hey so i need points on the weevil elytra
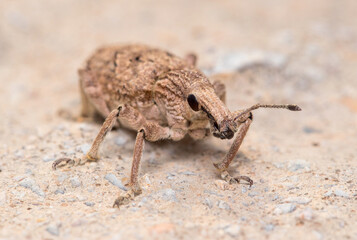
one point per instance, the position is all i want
(161, 96)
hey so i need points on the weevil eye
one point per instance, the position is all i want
(192, 101)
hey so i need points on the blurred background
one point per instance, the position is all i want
(276, 51)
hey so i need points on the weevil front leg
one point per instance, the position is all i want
(223, 166)
(92, 154)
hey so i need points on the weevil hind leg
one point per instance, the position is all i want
(223, 166)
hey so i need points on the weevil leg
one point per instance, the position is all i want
(191, 59)
(92, 154)
(135, 188)
(151, 132)
(223, 166)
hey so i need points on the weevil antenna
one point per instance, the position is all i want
(290, 107)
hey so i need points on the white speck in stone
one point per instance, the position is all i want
(298, 200)
(31, 184)
(84, 148)
(169, 195)
(284, 208)
(75, 182)
(298, 164)
(115, 181)
(223, 205)
(232, 230)
(341, 193)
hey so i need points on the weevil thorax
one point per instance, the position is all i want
(200, 98)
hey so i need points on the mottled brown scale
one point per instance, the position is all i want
(161, 96)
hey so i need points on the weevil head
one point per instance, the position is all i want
(201, 97)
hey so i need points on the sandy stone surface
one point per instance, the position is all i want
(303, 164)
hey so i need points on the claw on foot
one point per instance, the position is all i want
(124, 199)
(62, 162)
(71, 162)
(233, 180)
(245, 178)
(121, 200)
(128, 196)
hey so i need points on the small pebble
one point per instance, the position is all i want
(223, 205)
(61, 177)
(53, 229)
(298, 200)
(31, 184)
(232, 230)
(309, 130)
(279, 165)
(212, 193)
(115, 181)
(89, 204)
(276, 197)
(81, 198)
(328, 193)
(284, 208)
(208, 202)
(244, 189)
(84, 148)
(120, 140)
(142, 202)
(48, 158)
(188, 173)
(341, 193)
(169, 195)
(75, 182)
(19, 154)
(252, 194)
(60, 191)
(298, 164)
(147, 179)
(269, 227)
(170, 176)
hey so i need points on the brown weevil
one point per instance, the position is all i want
(161, 96)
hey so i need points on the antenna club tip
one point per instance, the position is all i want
(294, 108)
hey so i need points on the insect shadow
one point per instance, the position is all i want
(200, 154)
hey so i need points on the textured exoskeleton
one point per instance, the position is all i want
(161, 96)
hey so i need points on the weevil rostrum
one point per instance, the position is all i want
(161, 96)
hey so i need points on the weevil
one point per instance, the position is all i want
(161, 96)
